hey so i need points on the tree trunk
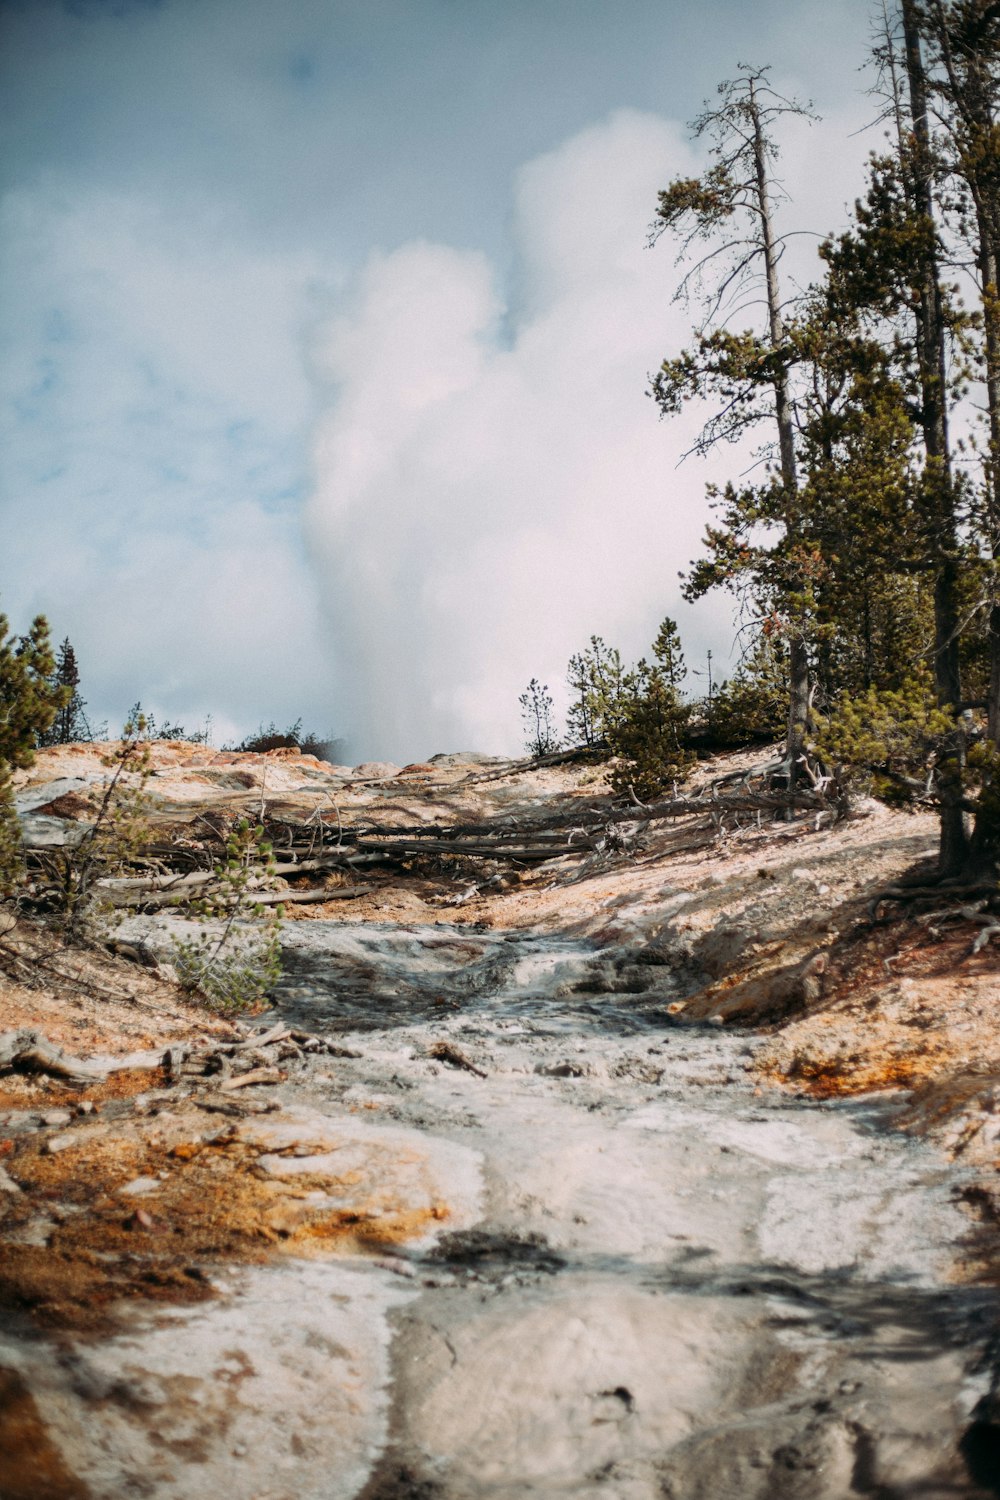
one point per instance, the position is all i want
(938, 486)
(972, 91)
(798, 655)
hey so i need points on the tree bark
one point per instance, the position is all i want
(971, 93)
(798, 654)
(940, 517)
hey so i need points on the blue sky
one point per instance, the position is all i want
(326, 329)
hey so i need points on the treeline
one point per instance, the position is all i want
(641, 716)
(58, 711)
(865, 555)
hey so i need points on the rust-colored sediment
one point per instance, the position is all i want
(213, 1206)
(30, 1466)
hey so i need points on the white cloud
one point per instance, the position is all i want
(155, 414)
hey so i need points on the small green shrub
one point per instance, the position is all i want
(234, 969)
(111, 846)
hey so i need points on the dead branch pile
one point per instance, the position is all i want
(179, 872)
(252, 1057)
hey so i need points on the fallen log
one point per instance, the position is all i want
(408, 848)
(31, 1052)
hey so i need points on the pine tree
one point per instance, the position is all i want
(748, 373)
(70, 723)
(668, 652)
(536, 716)
(597, 682)
(752, 704)
(29, 703)
(963, 42)
(647, 731)
(887, 271)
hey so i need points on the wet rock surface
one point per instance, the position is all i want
(505, 1199)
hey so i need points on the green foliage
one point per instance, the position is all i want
(647, 737)
(540, 737)
(11, 850)
(597, 686)
(29, 703)
(752, 704)
(70, 723)
(167, 731)
(113, 844)
(29, 700)
(270, 737)
(646, 730)
(897, 742)
(234, 969)
(668, 653)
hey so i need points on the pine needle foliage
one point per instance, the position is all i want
(894, 742)
(597, 682)
(646, 732)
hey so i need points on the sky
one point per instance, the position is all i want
(326, 332)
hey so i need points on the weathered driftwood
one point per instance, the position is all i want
(255, 1076)
(30, 1052)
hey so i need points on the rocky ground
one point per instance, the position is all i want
(661, 1167)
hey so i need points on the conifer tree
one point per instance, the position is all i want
(887, 271)
(668, 653)
(29, 702)
(963, 42)
(752, 704)
(540, 737)
(647, 731)
(747, 373)
(70, 723)
(597, 684)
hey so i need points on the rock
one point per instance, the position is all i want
(375, 770)
(34, 798)
(56, 1117)
(139, 1186)
(78, 1137)
(57, 1143)
(7, 1183)
(41, 832)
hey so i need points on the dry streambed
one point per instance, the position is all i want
(500, 1202)
(498, 1234)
